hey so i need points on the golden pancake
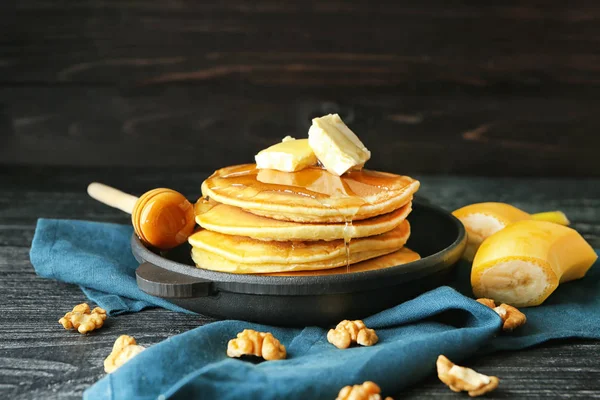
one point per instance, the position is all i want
(310, 195)
(240, 254)
(245, 250)
(207, 260)
(232, 220)
(399, 257)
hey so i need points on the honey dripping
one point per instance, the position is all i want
(347, 238)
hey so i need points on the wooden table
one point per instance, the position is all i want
(40, 360)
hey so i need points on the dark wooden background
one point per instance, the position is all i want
(467, 87)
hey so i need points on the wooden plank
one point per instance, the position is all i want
(433, 88)
(204, 129)
(329, 43)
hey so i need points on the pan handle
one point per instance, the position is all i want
(164, 283)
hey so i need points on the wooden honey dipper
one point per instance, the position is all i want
(162, 218)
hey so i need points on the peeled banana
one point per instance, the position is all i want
(484, 219)
(524, 263)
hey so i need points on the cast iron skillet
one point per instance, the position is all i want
(436, 235)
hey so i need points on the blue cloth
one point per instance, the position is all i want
(194, 364)
(97, 257)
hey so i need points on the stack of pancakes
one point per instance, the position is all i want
(267, 221)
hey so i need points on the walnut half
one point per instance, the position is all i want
(349, 332)
(511, 317)
(464, 379)
(124, 349)
(260, 344)
(82, 319)
(487, 302)
(367, 391)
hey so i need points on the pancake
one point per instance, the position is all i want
(240, 254)
(310, 195)
(215, 262)
(399, 257)
(232, 220)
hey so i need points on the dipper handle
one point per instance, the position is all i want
(112, 197)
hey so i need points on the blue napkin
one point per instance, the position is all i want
(194, 364)
(97, 257)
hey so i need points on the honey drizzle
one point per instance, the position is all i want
(347, 239)
(312, 182)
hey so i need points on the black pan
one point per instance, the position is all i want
(436, 235)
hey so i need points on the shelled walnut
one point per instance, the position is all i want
(124, 349)
(260, 344)
(82, 319)
(367, 391)
(348, 332)
(461, 379)
(511, 317)
(487, 302)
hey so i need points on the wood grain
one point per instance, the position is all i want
(462, 87)
(192, 127)
(39, 360)
(298, 43)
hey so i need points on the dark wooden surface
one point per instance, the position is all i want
(40, 360)
(437, 87)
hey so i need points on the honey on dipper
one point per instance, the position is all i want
(162, 218)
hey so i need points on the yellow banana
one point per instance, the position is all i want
(558, 217)
(524, 263)
(484, 219)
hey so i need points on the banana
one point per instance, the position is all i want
(484, 219)
(524, 263)
(558, 217)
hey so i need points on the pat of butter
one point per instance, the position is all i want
(335, 145)
(288, 156)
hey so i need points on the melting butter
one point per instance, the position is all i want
(288, 156)
(335, 145)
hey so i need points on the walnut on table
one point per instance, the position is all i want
(260, 344)
(367, 391)
(511, 317)
(461, 379)
(124, 349)
(348, 332)
(82, 319)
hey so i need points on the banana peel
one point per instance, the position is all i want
(482, 220)
(523, 263)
